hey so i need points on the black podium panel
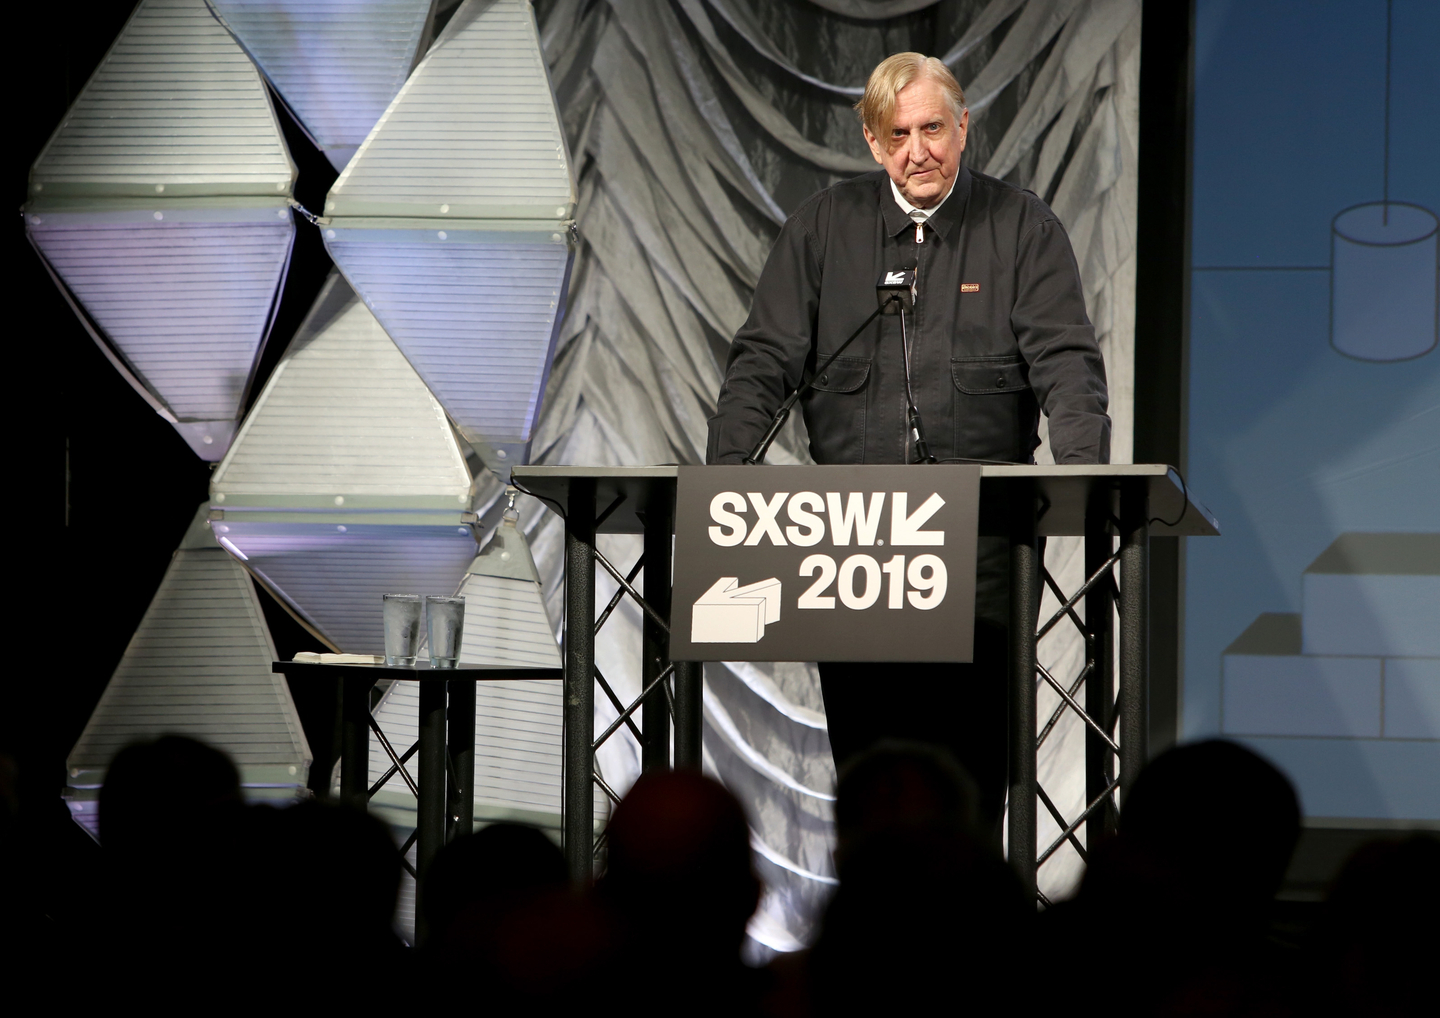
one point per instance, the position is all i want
(833, 563)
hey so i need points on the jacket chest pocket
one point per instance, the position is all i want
(995, 409)
(835, 411)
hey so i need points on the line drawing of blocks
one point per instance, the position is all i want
(1412, 698)
(1269, 688)
(1374, 595)
(730, 613)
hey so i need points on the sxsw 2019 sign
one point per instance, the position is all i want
(838, 563)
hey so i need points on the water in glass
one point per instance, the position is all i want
(402, 628)
(445, 620)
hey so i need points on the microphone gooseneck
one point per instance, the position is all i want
(896, 292)
(912, 412)
(757, 455)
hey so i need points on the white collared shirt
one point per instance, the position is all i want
(919, 216)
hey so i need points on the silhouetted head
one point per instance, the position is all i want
(161, 794)
(1220, 822)
(491, 870)
(918, 915)
(1371, 945)
(337, 875)
(679, 865)
(921, 907)
(898, 786)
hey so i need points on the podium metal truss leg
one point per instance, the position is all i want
(1106, 751)
(578, 805)
(1134, 605)
(1024, 607)
(658, 704)
(655, 639)
(1100, 683)
(689, 710)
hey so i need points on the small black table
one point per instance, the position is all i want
(445, 744)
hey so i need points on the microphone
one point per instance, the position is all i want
(901, 283)
(894, 290)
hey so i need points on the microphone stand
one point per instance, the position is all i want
(757, 455)
(912, 412)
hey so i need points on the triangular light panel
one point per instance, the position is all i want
(337, 64)
(160, 206)
(518, 758)
(346, 481)
(198, 665)
(453, 223)
(505, 618)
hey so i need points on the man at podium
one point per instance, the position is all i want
(998, 331)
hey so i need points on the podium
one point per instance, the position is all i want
(1115, 508)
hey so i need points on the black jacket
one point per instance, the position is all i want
(998, 331)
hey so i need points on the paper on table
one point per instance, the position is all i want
(306, 657)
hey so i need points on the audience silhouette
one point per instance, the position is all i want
(680, 885)
(498, 906)
(329, 877)
(1376, 939)
(174, 909)
(926, 914)
(1171, 919)
(1181, 899)
(477, 876)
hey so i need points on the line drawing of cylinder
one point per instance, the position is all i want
(1384, 291)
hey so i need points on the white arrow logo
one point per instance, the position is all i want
(894, 277)
(905, 529)
(730, 613)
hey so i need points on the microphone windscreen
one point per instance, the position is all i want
(896, 283)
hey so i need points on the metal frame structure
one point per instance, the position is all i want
(616, 500)
(1023, 503)
(443, 783)
(1119, 509)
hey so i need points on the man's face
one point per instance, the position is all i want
(921, 151)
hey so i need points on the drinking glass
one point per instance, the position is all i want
(445, 619)
(402, 628)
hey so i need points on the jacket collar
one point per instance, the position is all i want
(945, 220)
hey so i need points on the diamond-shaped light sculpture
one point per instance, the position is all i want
(198, 665)
(336, 64)
(453, 223)
(160, 206)
(346, 480)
